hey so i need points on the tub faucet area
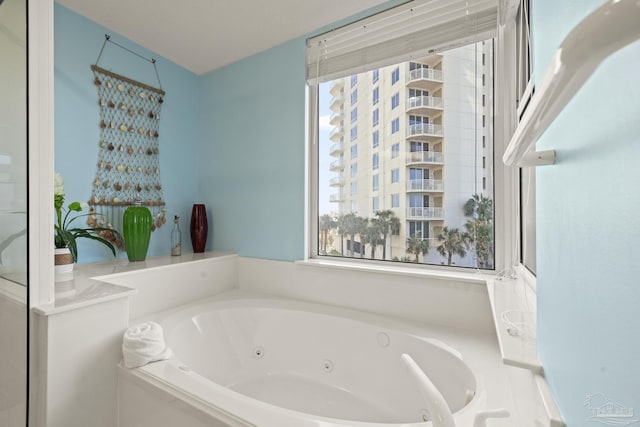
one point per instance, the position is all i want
(441, 415)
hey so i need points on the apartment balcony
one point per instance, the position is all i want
(425, 185)
(336, 198)
(336, 166)
(336, 134)
(430, 213)
(337, 103)
(338, 181)
(425, 79)
(336, 87)
(425, 157)
(336, 149)
(425, 132)
(425, 105)
(336, 117)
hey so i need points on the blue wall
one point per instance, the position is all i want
(77, 43)
(588, 227)
(251, 154)
(252, 150)
(233, 139)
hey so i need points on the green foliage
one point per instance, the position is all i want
(479, 210)
(389, 223)
(452, 242)
(417, 246)
(66, 236)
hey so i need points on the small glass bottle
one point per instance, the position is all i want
(176, 237)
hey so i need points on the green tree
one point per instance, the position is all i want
(452, 242)
(389, 224)
(326, 224)
(417, 246)
(351, 228)
(341, 226)
(479, 207)
(362, 225)
(479, 210)
(372, 237)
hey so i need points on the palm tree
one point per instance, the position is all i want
(453, 242)
(417, 246)
(362, 225)
(341, 225)
(327, 223)
(373, 237)
(389, 223)
(479, 209)
(481, 237)
(351, 228)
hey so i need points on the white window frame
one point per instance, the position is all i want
(506, 219)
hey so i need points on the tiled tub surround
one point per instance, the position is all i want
(454, 309)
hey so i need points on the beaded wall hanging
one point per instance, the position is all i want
(128, 168)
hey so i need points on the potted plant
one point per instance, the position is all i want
(66, 253)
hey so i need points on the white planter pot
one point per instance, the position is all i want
(63, 261)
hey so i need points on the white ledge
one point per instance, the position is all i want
(423, 271)
(89, 283)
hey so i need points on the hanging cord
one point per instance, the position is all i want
(107, 38)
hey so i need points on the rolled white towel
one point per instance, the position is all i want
(144, 343)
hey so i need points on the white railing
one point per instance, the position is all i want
(337, 100)
(425, 129)
(337, 181)
(425, 213)
(425, 73)
(336, 198)
(425, 157)
(336, 86)
(425, 185)
(336, 132)
(336, 117)
(336, 165)
(424, 101)
(336, 148)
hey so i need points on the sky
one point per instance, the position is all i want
(324, 175)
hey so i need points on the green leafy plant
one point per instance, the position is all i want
(65, 235)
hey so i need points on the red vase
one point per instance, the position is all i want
(199, 228)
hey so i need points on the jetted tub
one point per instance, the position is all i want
(278, 363)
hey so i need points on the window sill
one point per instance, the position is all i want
(513, 307)
(432, 272)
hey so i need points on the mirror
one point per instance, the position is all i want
(13, 142)
(13, 213)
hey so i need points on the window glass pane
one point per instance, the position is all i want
(426, 196)
(395, 100)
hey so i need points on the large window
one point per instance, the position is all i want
(430, 196)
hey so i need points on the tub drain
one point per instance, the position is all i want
(327, 366)
(258, 352)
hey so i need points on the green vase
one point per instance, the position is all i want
(136, 229)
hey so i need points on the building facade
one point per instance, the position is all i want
(415, 138)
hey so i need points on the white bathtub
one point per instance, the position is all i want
(280, 363)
